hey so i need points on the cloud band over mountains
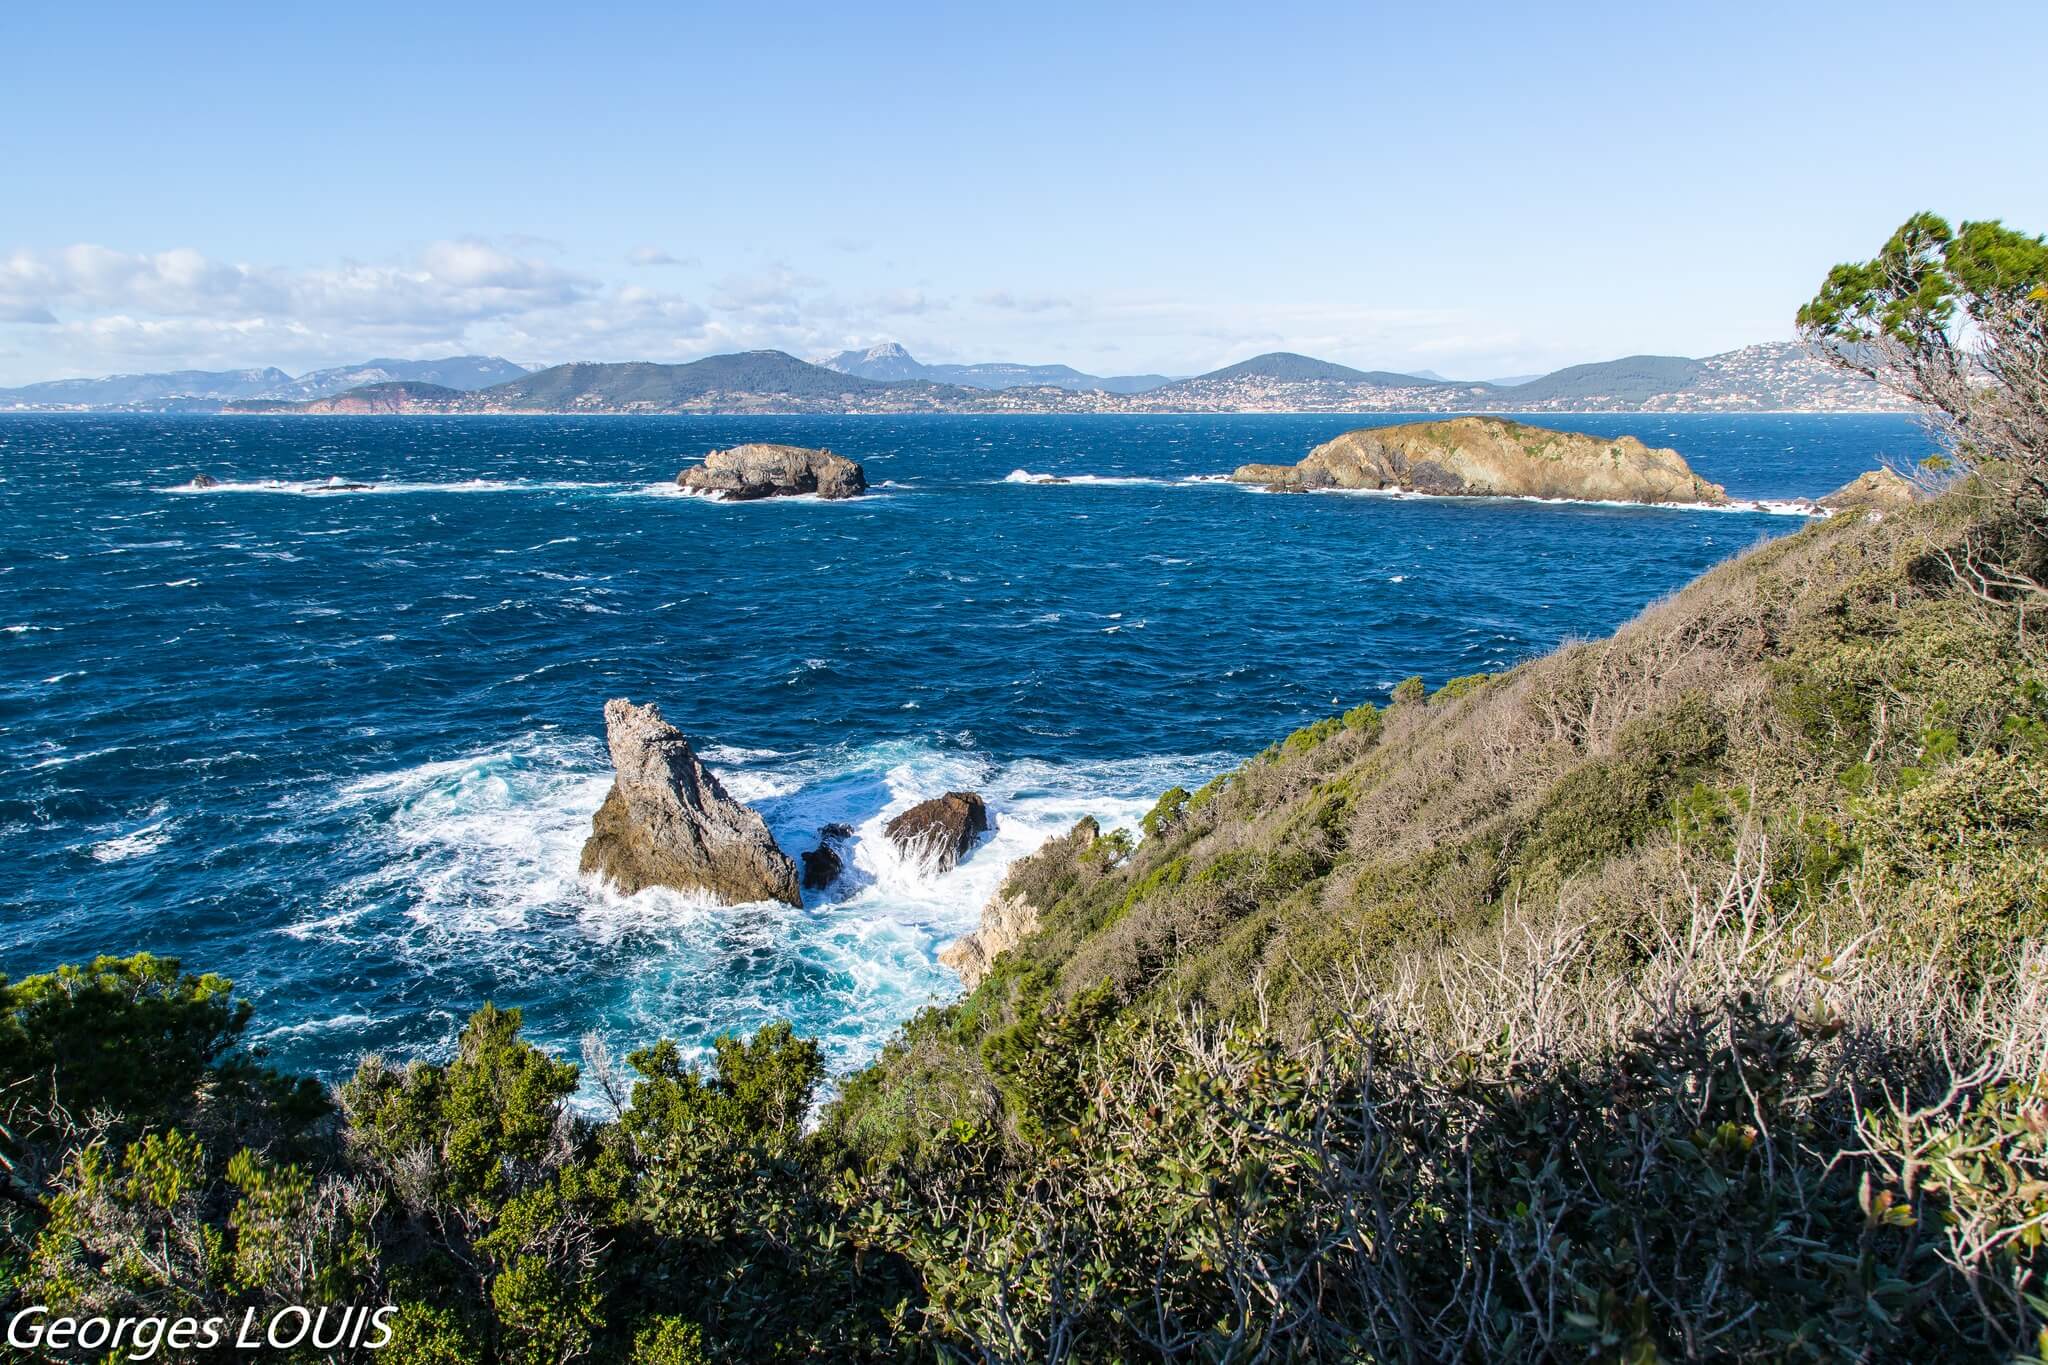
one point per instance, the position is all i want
(91, 309)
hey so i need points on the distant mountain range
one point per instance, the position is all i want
(1780, 377)
(205, 390)
(889, 363)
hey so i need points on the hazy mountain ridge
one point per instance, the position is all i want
(891, 363)
(750, 381)
(1769, 377)
(201, 390)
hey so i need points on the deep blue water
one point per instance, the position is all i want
(344, 747)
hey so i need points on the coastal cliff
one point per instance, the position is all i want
(1491, 457)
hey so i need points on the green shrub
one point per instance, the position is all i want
(1165, 813)
(1463, 686)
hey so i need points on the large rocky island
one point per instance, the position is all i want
(1491, 457)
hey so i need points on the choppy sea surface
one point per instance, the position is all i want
(344, 746)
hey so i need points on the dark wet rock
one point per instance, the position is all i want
(822, 866)
(760, 470)
(668, 822)
(937, 832)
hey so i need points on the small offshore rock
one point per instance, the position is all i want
(937, 832)
(761, 470)
(668, 822)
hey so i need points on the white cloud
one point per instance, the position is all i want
(90, 309)
(652, 256)
(95, 309)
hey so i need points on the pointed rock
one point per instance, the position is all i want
(668, 822)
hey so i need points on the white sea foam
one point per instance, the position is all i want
(476, 858)
(1777, 507)
(336, 486)
(1097, 480)
(135, 843)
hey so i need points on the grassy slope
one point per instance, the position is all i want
(1826, 693)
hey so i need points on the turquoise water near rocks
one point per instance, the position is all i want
(344, 746)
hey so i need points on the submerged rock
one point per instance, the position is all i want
(1491, 457)
(823, 864)
(937, 832)
(1877, 490)
(760, 470)
(668, 822)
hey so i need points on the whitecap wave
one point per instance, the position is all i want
(1094, 480)
(136, 843)
(337, 486)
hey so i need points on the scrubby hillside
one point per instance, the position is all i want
(1530, 1016)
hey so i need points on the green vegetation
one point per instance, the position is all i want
(1681, 995)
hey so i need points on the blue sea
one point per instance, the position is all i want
(344, 747)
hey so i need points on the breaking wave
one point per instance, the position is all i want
(475, 860)
(337, 486)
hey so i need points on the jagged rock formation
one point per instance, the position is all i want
(1878, 490)
(759, 470)
(823, 864)
(937, 832)
(1489, 456)
(1005, 920)
(668, 822)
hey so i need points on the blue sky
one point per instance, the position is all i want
(1478, 190)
